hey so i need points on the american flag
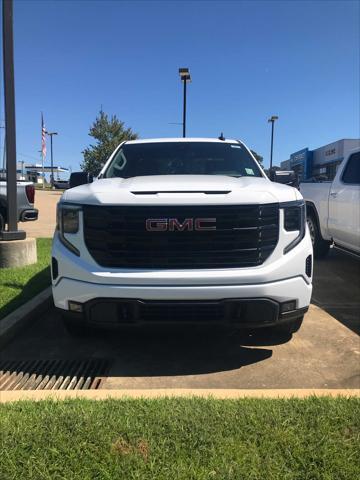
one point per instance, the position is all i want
(43, 138)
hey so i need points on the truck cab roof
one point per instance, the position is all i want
(181, 139)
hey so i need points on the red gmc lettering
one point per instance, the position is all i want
(187, 224)
(156, 224)
(173, 224)
(203, 224)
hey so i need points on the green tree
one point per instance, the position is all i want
(258, 157)
(108, 133)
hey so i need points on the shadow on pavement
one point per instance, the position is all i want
(337, 288)
(184, 351)
(143, 352)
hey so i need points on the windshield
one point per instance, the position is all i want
(182, 158)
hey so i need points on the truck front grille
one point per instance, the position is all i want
(245, 236)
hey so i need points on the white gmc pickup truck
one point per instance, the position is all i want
(333, 208)
(182, 230)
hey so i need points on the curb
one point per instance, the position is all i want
(221, 394)
(23, 315)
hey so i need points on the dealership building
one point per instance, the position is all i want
(321, 162)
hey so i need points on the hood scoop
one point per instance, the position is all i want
(210, 192)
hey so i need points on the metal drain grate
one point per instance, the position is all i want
(55, 374)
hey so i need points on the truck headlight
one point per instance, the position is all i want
(68, 222)
(294, 221)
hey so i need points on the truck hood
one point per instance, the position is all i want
(181, 189)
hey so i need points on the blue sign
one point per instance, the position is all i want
(301, 162)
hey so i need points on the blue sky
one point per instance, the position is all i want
(248, 60)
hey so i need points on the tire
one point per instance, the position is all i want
(291, 327)
(321, 247)
(2, 217)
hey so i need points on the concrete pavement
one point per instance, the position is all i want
(218, 393)
(323, 354)
(337, 287)
(45, 202)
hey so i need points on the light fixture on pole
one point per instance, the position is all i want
(272, 121)
(185, 77)
(51, 134)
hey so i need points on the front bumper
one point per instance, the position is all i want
(246, 305)
(249, 312)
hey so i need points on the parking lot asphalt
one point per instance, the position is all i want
(325, 353)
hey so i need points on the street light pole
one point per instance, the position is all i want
(10, 137)
(51, 134)
(272, 121)
(185, 77)
(4, 150)
(184, 111)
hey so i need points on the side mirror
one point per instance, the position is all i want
(80, 178)
(285, 177)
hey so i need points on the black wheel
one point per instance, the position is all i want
(2, 218)
(321, 246)
(291, 327)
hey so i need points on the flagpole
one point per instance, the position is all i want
(43, 173)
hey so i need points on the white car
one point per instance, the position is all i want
(182, 230)
(333, 208)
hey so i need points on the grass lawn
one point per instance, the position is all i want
(173, 439)
(17, 285)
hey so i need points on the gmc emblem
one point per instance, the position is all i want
(172, 224)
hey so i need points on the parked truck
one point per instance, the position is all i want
(181, 230)
(25, 203)
(333, 208)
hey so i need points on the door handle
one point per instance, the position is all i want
(333, 194)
